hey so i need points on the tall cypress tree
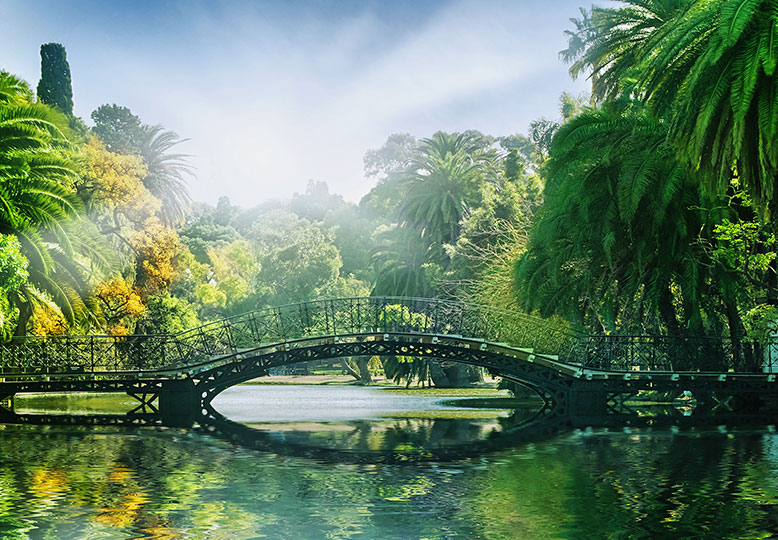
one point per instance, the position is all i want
(54, 87)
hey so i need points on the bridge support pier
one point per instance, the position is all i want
(587, 401)
(178, 403)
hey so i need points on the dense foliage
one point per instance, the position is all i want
(55, 87)
(659, 212)
(648, 207)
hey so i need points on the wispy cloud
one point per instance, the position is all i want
(271, 98)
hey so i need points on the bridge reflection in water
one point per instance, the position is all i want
(408, 443)
(582, 380)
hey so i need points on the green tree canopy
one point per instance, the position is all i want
(615, 243)
(55, 87)
(298, 260)
(118, 128)
(37, 174)
(708, 67)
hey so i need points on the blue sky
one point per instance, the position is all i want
(272, 94)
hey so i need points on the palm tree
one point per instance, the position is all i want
(612, 43)
(708, 67)
(398, 262)
(38, 205)
(617, 234)
(166, 178)
(35, 170)
(13, 90)
(716, 78)
(442, 185)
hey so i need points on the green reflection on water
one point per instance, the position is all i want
(64, 483)
(74, 403)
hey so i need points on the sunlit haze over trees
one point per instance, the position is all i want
(635, 195)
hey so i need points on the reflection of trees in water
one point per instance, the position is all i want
(697, 485)
(72, 482)
(389, 435)
(640, 486)
(69, 482)
(168, 484)
(385, 441)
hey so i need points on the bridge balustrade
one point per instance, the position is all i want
(356, 317)
(676, 353)
(331, 317)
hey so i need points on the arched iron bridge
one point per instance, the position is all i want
(175, 377)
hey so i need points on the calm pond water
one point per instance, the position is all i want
(60, 482)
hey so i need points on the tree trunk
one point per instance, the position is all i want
(475, 374)
(362, 372)
(25, 313)
(350, 370)
(667, 312)
(439, 376)
(742, 356)
(365, 377)
(458, 374)
(449, 375)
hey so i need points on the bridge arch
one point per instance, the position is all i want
(549, 379)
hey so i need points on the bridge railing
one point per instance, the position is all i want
(330, 317)
(87, 353)
(349, 316)
(677, 353)
(354, 316)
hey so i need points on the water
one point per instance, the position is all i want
(319, 403)
(105, 483)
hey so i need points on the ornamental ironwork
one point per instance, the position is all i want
(349, 317)
(340, 317)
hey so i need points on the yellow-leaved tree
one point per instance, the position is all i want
(124, 209)
(121, 306)
(47, 319)
(156, 246)
(112, 186)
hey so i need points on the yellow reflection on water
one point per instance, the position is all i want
(45, 482)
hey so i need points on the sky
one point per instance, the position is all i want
(271, 94)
